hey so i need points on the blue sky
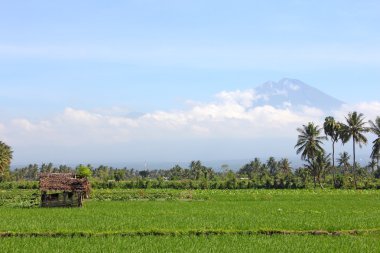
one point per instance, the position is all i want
(126, 57)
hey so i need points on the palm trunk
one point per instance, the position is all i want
(333, 157)
(319, 179)
(333, 154)
(354, 165)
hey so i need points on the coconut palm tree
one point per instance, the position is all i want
(371, 166)
(375, 128)
(318, 167)
(309, 141)
(196, 169)
(272, 166)
(344, 161)
(284, 166)
(332, 129)
(5, 158)
(354, 129)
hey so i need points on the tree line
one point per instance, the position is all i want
(318, 162)
(270, 174)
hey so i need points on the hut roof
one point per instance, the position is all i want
(62, 182)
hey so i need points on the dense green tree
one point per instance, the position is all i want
(344, 162)
(119, 174)
(354, 129)
(303, 175)
(144, 173)
(6, 155)
(83, 171)
(375, 128)
(318, 167)
(272, 165)
(197, 170)
(309, 142)
(285, 166)
(253, 170)
(176, 173)
(372, 166)
(245, 171)
(47, 168)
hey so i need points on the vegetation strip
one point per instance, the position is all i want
(189, 233)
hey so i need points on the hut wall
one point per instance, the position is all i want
(61, 199)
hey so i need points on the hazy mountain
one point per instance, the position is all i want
(291, 92)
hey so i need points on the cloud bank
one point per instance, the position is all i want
(230, 116)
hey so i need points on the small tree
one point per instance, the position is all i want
(5, 160)
(83, 171)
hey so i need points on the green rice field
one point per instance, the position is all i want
(196, 221)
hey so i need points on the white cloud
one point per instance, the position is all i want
(81, 116)
(230, 117)
(24, 124)
(244, 98)
(371, 110)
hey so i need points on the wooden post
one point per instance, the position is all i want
(64, 198)
(43, 199)
(72, 199)
(79, 199)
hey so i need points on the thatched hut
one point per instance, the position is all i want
(62, 190)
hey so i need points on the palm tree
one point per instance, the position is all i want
(318, 167)
(332, 129)
(375, 128)
(6, 155)
(354, 129)
(285, 166)
(344, 161)
(272, 166)
(309, 141)
(196, 169)
(371, 166)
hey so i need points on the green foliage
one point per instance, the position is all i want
(309, 141)
(6, 155)
(354, 129)
(375, 129)
(19, 198)
(83, 171)
(333, 129)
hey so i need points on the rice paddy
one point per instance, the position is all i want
(197, 221)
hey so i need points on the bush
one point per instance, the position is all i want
(83, 171)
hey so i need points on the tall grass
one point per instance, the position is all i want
(240, 210)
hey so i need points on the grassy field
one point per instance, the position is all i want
(290, 243)
(220, 221)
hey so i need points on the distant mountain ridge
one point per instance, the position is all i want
(294, 93)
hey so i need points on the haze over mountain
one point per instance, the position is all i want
(294, 93)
